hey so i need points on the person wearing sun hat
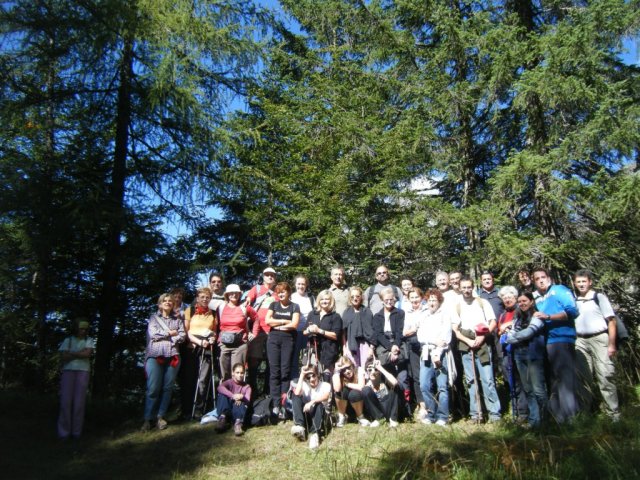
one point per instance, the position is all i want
(76, 351)
(234, 329)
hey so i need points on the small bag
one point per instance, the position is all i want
(231, 339)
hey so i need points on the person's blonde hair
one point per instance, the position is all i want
(332, 300)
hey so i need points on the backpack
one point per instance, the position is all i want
(622, 334)
(260, 412)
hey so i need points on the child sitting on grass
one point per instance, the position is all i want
(233, 400)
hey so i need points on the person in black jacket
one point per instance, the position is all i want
(388, 325)
(324, 329)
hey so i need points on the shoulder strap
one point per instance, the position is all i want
(372, 292)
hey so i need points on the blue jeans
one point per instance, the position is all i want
(227, 407)
(485, 375)
(437, 409)
(533, 384)
(160, 380)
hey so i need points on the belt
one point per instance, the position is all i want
(590, 335)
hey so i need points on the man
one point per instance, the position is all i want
(339, 290)
(217, 291)
(442, 283)
(489, 292)
(371, 295)
(595, 345)
(471, 329)
(454, 281)
(557, 308)
(260, 297)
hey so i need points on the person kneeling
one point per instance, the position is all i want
(381, 395)
(233, 400)
(309, 400)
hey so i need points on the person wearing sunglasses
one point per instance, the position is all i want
(310, 400)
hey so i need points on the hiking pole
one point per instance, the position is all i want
(475, 382)
(195, 396)
(213, 378)
(512, 383)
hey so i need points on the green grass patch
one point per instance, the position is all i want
(113, 447)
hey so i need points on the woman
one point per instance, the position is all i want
(406, 284)
(201, 324)
(233, 400)
(283, 317)
(357, 323)
(348, 381)
(413, 316)
(508, 295)
(306, 303)
(310, 399)
(434, 335)
(75, 351)
(234, 332)
(388, 325)
(324, 327)
(165, 332)
(527, 337)
(381, 395)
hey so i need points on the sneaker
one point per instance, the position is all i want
(374, 424)
(222, 424)
(342, 420)
(426, 421)
(237, 428)
(441, 423)
(393, 424)
(314, 441)
(146, 426)
(162, 423)
(298, 432)
(363, 421)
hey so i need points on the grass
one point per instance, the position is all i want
(114, 448)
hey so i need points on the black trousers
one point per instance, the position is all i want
(313, 420)
(280, 353)
(379, 409)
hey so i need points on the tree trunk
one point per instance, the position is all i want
(112, 260)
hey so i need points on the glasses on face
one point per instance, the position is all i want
(356, 296)
(310, 376)
(389, 300)
(381, 273)
(269, 274)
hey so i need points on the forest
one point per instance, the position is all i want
(302, 134)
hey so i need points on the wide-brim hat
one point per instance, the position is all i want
(269, 270)
(232, 288)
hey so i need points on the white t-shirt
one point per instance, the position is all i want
(322, 389)
(75, 344)
(593, 318)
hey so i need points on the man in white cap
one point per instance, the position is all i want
(260, 297)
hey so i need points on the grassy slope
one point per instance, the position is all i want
(113, 448)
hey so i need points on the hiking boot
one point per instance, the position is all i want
(314, 441)
(222, 424)
(146, 426)
(298, 432)
(162, 423)
(237, 428)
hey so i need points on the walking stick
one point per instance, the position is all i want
(213, 378)
(195, 396)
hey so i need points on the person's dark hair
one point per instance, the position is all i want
(487, 272)
(583, 272)
(467, 278)
(524, 270)
(178, 291)
(215, 274)
(540, 269)
(236, 365)
(416, 290)
(434, 292)
(283, 287)
(526, 293)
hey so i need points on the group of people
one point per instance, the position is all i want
(378, 353)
